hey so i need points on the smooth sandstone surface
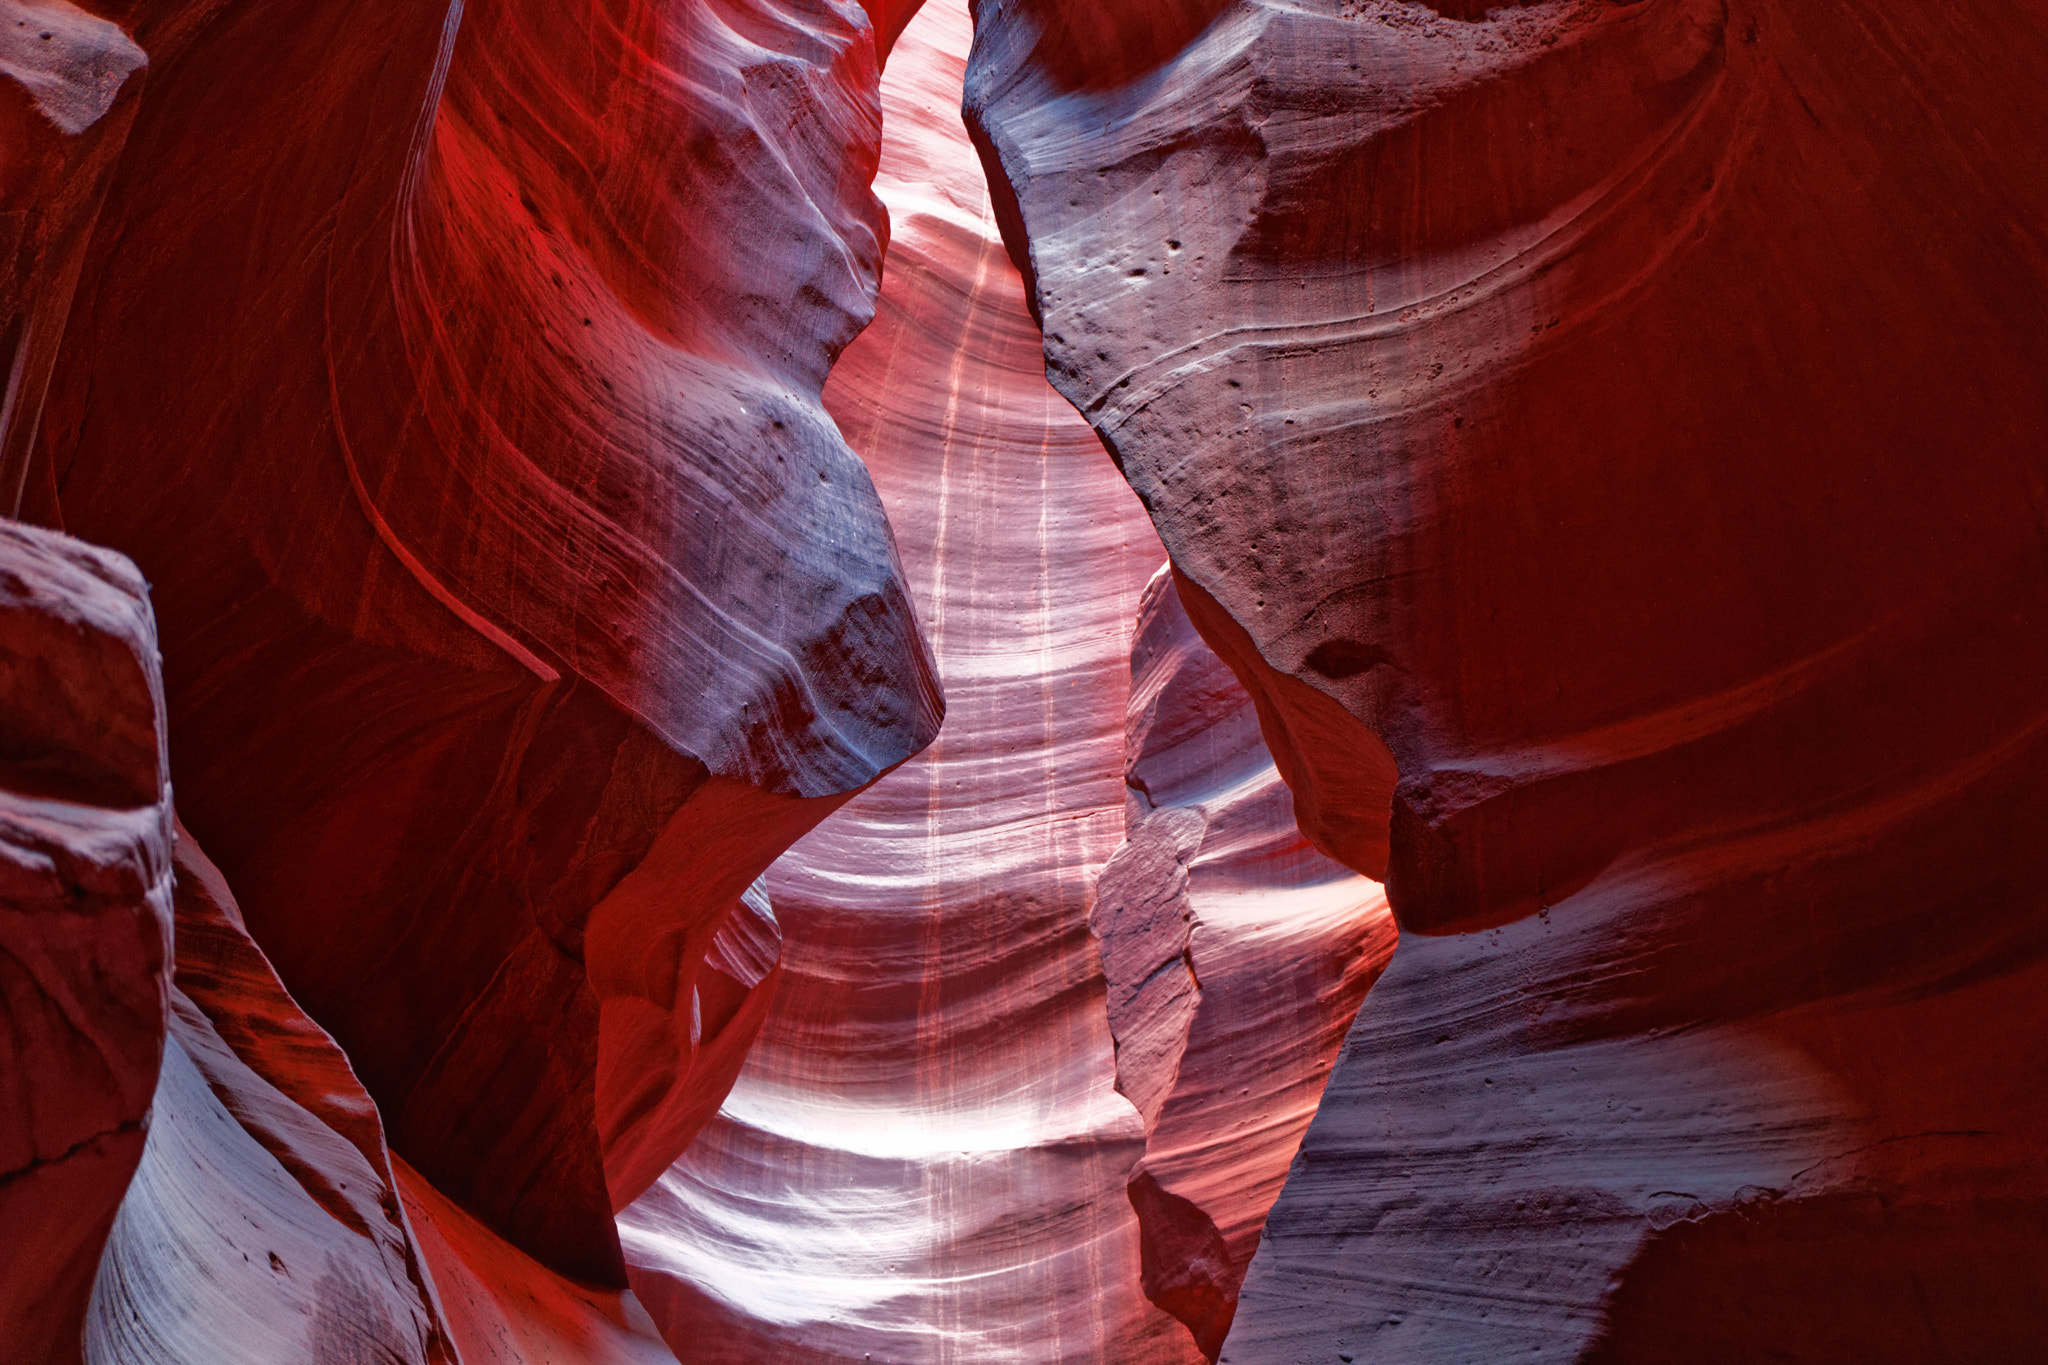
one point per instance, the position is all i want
(521, 602)
(1614, 432)
(85, 920)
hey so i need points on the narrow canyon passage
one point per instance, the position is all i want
(495, 490)
(927, 1155)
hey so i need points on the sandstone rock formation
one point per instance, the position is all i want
(924, 1159)
(520, 601)
(263, 1223)
(1622, 422)
(1599, 447)
(85, 920)
(502, 1307)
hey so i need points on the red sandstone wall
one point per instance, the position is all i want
(1615, 432)
(263, 1223)
(519, 601)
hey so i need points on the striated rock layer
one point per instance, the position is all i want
(1599, 448)
(259, 1214)
(1606, 439)
(263, 1223)
(452, 371)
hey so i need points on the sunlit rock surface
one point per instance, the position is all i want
(1623, 423)
(452, 372)
(85, 920)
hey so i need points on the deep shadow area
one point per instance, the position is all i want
(1855, 1279)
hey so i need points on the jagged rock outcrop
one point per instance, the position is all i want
(452, 372)
(1236, 956)
(1622, 421)
(85, 920)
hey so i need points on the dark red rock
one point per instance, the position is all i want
(85, 920)
(502, 1307)
(453, 373)
(66, 101)
(1630, 416)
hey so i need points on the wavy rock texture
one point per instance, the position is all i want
(1623, 422)
(85, 920)
(520, 600)
(263, 1224)
(1601, 438)
(1236, 956)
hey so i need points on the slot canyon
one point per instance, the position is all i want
(1023, 681)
